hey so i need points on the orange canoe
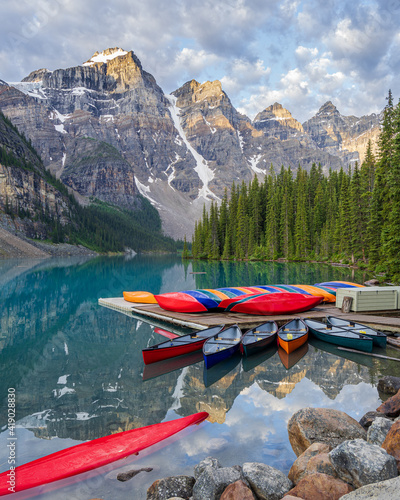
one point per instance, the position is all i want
(140, 297)
(292, 335)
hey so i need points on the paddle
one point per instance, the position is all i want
(165, 333)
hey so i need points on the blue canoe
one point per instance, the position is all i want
(222, 345)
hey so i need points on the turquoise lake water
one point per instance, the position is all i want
(78, 373)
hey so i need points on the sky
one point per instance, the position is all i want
(298, 53)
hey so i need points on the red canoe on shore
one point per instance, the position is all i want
(90, 455)
(179, 345)
(271, 303)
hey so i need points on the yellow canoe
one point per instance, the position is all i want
(140, 297)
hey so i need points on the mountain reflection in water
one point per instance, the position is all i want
(78, 371)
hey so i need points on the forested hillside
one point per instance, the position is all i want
(348, 216)
(41, 207)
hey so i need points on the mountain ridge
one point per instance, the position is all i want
(179, 151)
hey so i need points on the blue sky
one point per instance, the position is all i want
(298, 53)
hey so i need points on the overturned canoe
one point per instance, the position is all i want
(179, 346)
(271, 304)
(140, 297)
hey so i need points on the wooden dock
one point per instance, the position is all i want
(152, 313)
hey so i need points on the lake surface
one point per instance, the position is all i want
(78, 372)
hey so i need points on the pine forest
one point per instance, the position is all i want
(352, 217)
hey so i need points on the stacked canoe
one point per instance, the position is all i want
(260, 299)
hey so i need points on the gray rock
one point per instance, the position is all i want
(389, 385)
(178, 486)
(359, 463)
(212, 482)
(384, 490)
(378, 430)
(207, 462)
(369, 417)
(267, 482)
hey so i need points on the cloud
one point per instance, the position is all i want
(296, 53)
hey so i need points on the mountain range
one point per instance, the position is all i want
(107, 130)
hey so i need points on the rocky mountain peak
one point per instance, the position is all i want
(105, 56)
(327, 109)
(37, 75)
(277, 121)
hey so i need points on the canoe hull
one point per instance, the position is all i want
(271, 303)
(292, 345)
(254, 348)
(216, 357)
(221, 346)
(92, 454)
(340, 337)
(378, 338)
(178, 346)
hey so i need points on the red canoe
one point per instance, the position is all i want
(271, 304)
(86, 456)
(179, 345)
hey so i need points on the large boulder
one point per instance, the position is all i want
(299, 467)
(389, 385)
(378, 430)
(267, 482)
(385, 490)
(392, 442)
(322, 425)
(391, 407)
(207, 462)
(237, 491)
(212, 482)
(360, 463)
(178, 486)
(321, 487)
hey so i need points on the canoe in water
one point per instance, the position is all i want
(378, 338)
(339, 336)
(92, 454)
(271, 303)
(292, 335)
(179, 345)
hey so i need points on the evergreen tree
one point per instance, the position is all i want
(391, 243)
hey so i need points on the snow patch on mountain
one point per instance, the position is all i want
(202, 169)
(104, 57)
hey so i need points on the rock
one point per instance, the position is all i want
(378, 430)
(360, 463)
(213, 481)
(207, 462)
(369, 417)
(384, 490)
(178, 486)
(321, 464)
(267, 482)
(297, 471)
(323, 425)
(237, 491)
(389, 385)
(321, 487)
(392, 442)
(391, 407)
(125, 476)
